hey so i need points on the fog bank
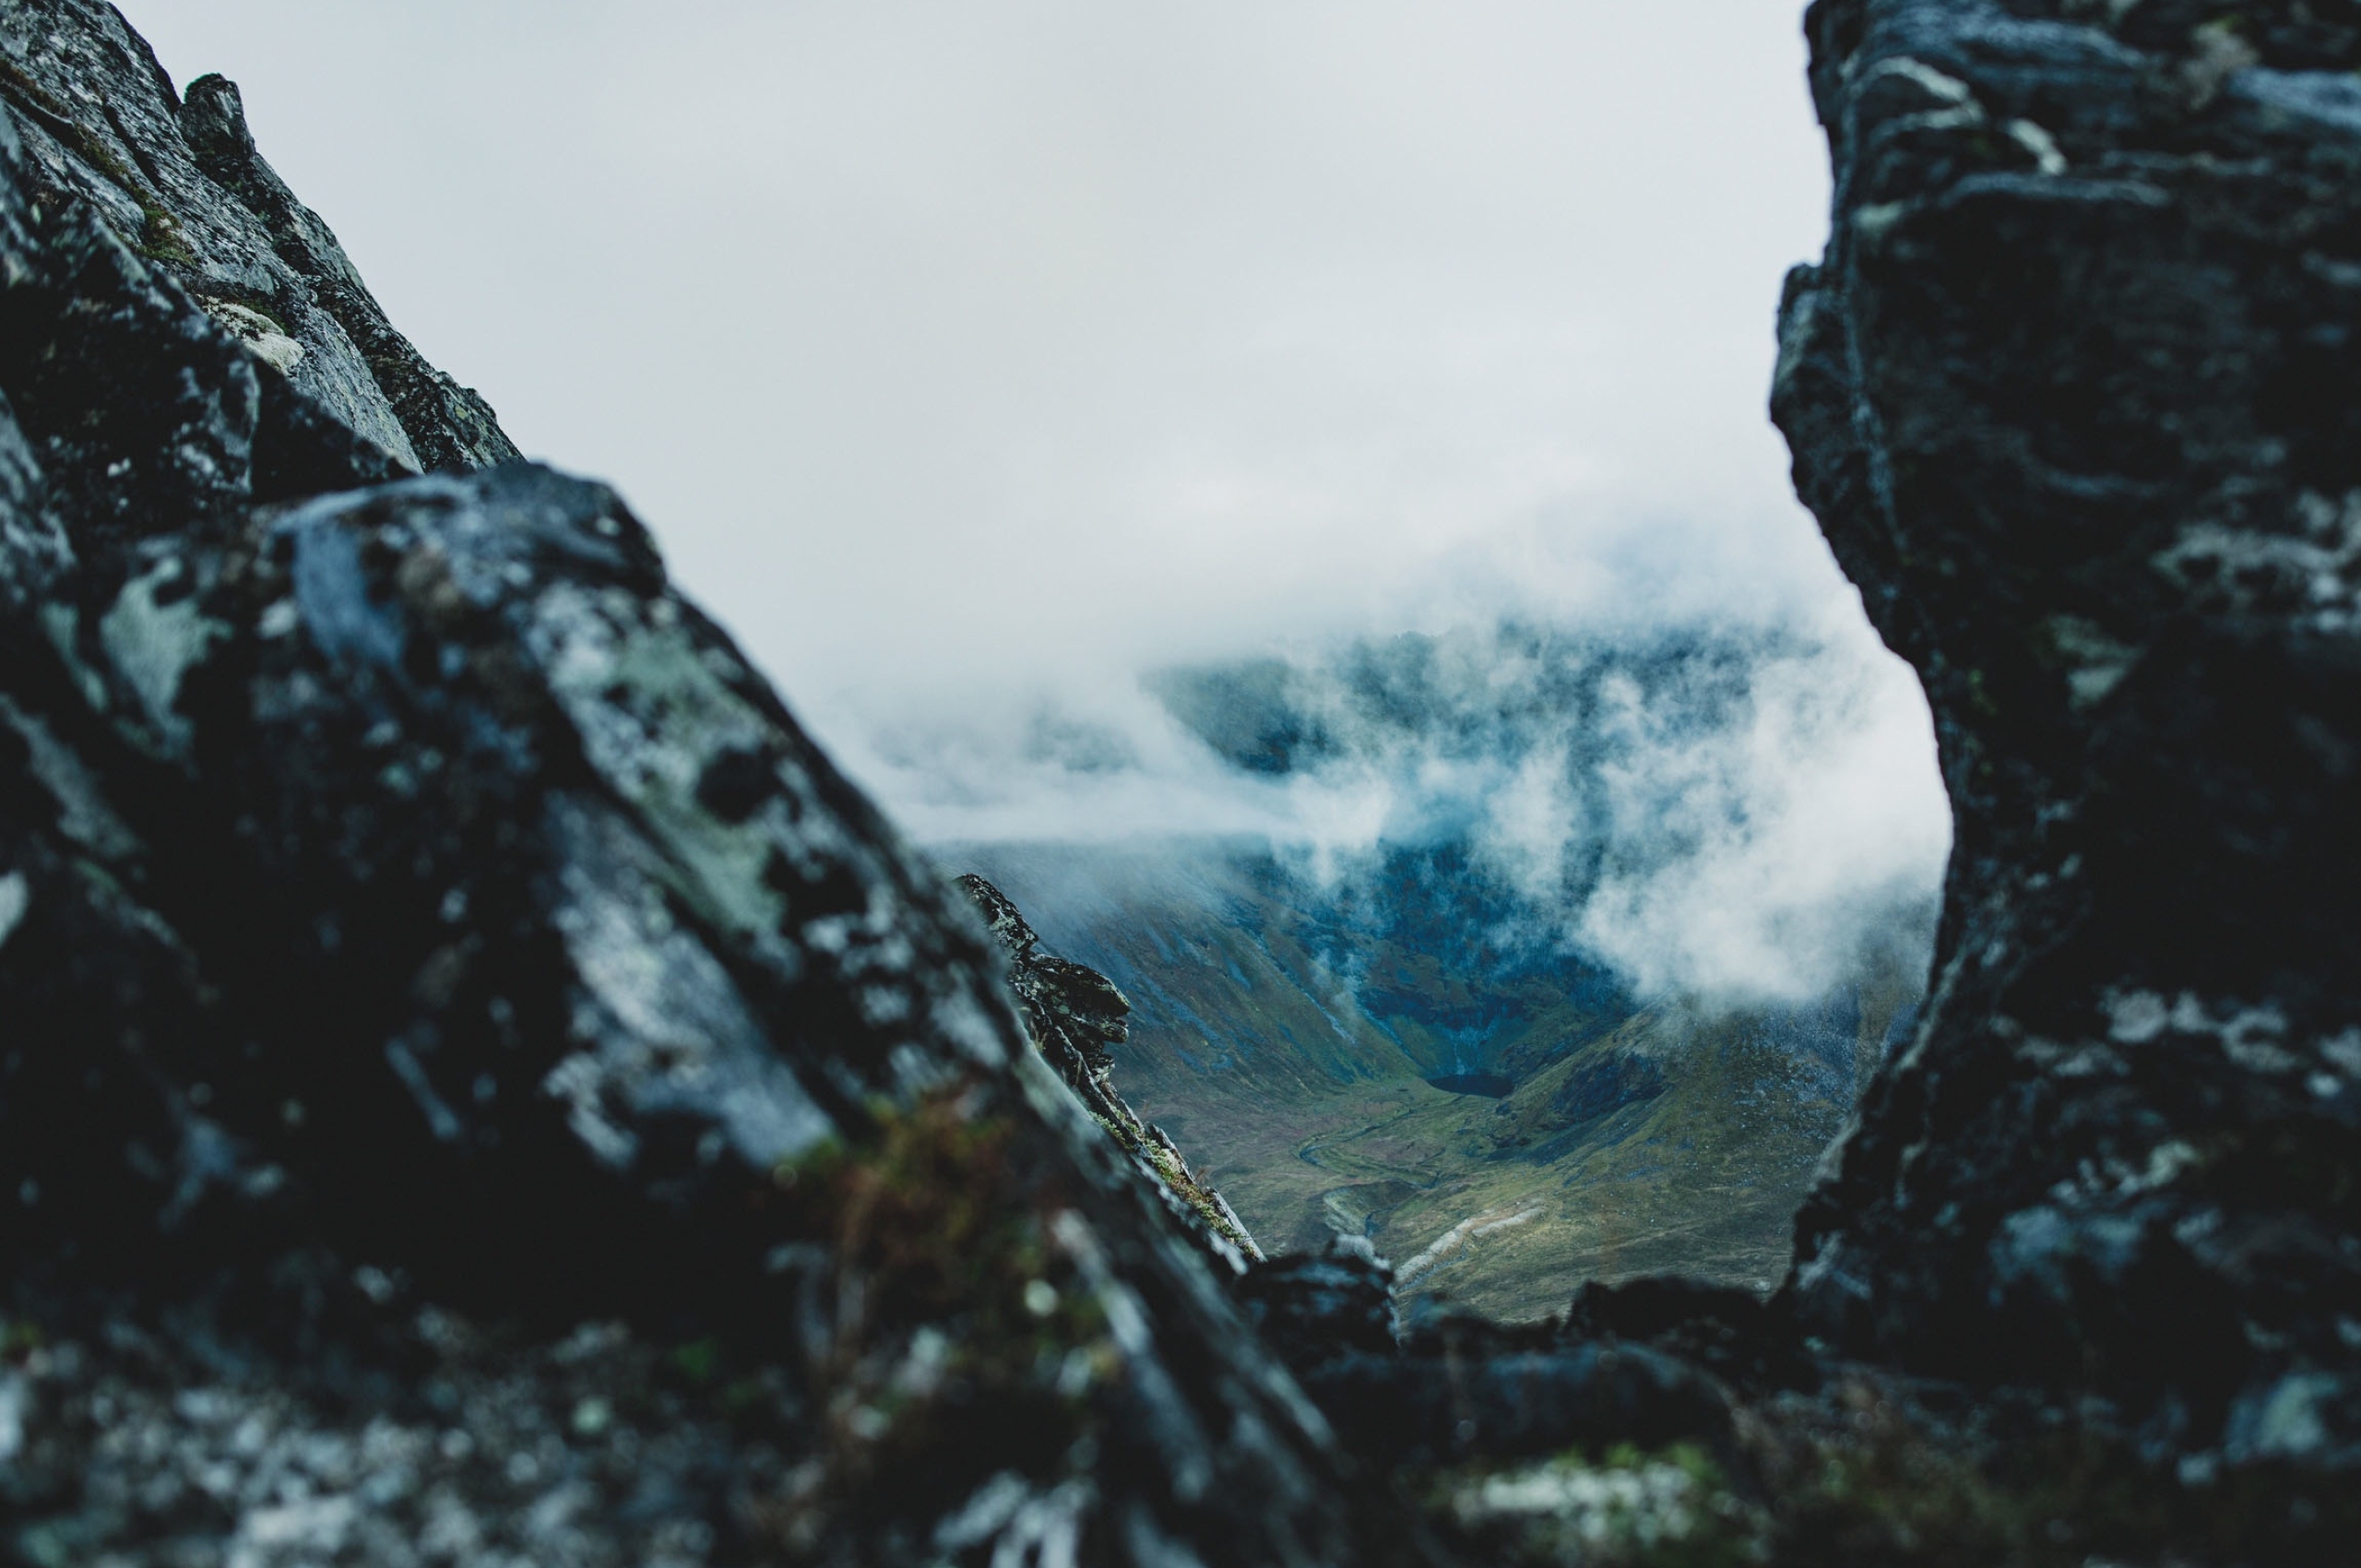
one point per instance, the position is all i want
(974, 363)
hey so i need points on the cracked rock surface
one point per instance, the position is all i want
(2075, 394)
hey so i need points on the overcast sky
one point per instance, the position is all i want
(969, 358)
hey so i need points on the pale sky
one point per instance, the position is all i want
(968, 358)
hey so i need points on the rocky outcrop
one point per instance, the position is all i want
(1074, 1015)
(1313, 1305)
(1464, 1390)
(2074, 395)
(477, 1085)
(180, 182)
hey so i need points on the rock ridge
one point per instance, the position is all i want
(182, 184)
(1074, 1014)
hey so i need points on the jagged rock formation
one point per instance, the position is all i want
(182, 183)
(2074, 394)
(421, 936)
(1074, 1014)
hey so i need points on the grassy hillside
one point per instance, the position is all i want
(1285, 1043)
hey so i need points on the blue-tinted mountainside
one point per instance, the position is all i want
(1700, 809)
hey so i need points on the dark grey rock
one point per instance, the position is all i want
(2074, 394)
(1075, 1016)
(181, 184)
(1446, 1405)
(1629, 1367)
(421, 934)
(1313, 1307)
(1747, 1342)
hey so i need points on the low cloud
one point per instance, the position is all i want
(1720, 810)
(976, 364)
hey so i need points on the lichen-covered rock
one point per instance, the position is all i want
(422, 934)
(180, 182)
(1074, 1015)
(150, 1444)
(2074, 394)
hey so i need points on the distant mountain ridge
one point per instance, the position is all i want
(1291, 1038)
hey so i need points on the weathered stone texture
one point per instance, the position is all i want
(476, 1085)
(180, 182)
(2075, 394)
(421, 935)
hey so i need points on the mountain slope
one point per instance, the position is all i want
(1292, 1039)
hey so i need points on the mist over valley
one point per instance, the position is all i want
(1558, 957)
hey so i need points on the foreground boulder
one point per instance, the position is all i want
(2076, 395)
(477, 1084)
